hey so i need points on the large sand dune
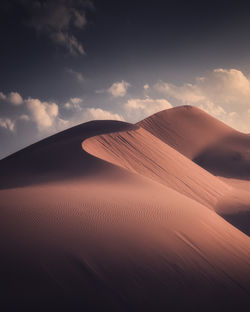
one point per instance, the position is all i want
(79, 233)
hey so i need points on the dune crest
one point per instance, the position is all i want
(140, 152)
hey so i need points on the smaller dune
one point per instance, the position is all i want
(207, 141)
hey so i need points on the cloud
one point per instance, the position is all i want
(223, 93)
(100, 114)
(13, 98)
(78, 76)
(42, 113)
(146, 87)
(186, 94)
(100, 91)
(58, 19)
(24, 117)
(75, 100)
(147, 106)
(220, 85)
(2, 96)
(7, 123)
(80, 19)
(74, 104)
(68, 41)
(119, 89)
(45, 114)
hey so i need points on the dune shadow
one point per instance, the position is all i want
(241, 221)
(228, 157)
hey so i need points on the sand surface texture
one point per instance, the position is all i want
(108, 216)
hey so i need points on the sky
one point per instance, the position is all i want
(65, 62)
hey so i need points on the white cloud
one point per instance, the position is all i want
(78, 76)
(42, 113)
(119, 89)
(74, 104)
(2, 96)
(15, 98)
(100, 114)
(7, 123)
(147, 106)
(223, 93)
(187, 93)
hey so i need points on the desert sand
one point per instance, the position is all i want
(109, 216)
(207, 141)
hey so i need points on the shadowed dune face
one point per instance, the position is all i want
(58, 157)
(235, 206)
(202, 138)
(229, 157)
(79, 233)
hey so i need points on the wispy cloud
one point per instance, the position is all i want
(77, 75)
(58, 19)
(7, 123)
(74, 104)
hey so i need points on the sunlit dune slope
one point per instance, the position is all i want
(122, 243)
(204, 139)
(139, 151)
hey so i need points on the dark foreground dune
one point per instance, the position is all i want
(135, 228)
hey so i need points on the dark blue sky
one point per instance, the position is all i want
(71, 61)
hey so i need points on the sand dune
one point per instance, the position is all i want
(139, 151)
(204, 139)
(59, 157)
(79, 233)
(214, 146)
